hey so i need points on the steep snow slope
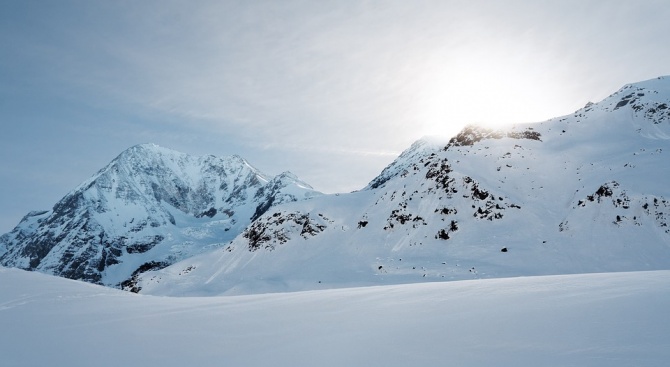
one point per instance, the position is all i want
(586, 192)
(146, 209)
(615, 319)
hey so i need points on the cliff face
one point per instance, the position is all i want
(146, 209)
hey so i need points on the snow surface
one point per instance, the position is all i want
(613, 319)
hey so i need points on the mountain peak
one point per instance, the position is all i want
(402, 164)
(148, 208)
(660, 83)
(148, 148)
(650, 98)
(584, 192)
(290, 177)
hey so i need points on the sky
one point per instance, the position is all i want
(332, 91)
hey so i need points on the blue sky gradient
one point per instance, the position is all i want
(331, 91)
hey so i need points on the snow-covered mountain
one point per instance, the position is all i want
(586, 192)
(146, 209)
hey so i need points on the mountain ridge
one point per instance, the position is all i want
(146, 198)
(583, 192)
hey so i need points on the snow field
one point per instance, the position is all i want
(614, 319)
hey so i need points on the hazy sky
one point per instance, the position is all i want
(330, 90)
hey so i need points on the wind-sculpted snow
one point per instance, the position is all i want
(586, 192)
(608, 320)
(149, 205)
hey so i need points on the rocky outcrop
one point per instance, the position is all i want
(149, 205)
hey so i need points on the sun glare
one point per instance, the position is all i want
(485, 93)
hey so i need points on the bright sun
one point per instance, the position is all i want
(486, 93)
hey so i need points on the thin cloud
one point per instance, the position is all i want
(339, 87)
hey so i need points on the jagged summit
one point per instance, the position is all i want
(149, 207)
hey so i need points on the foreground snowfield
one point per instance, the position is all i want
(613, 319)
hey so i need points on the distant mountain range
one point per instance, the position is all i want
(585, 192)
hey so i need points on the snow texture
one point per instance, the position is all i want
(609, 320)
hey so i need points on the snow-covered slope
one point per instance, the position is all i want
(146, 209)
(586, 192)
(615, 319)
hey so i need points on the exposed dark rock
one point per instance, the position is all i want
(473, 134)
(144, 246)
(211, 212)
(130, 284)
(81, 237)
(269, 231)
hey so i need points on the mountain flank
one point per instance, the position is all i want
(581, 193)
